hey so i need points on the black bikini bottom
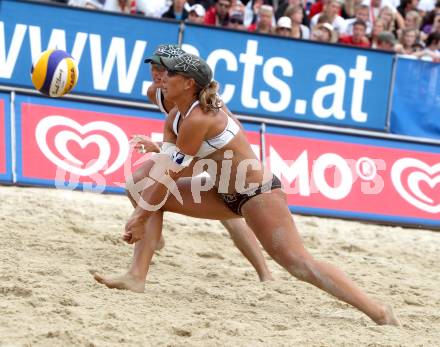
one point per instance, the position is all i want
(235, 201)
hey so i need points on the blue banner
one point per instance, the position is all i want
(110, 49)
(296, 80)
(416, 99)
(5, 140)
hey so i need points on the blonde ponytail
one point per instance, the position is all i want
(209, 99)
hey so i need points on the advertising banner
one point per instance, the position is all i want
(416, 99)
(78, 146)
(82, 146)
(5, 140)
(296, 80)
(110, 49)
(355, 177)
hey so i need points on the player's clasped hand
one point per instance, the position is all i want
(134, 230)
(143, 144)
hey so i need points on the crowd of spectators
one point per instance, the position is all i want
(407, 27)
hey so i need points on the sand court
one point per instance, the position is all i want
(200, 291)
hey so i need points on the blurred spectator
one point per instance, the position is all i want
(376, 6)
(386, 41)
(251, 11)
(282, 8)
(378, 28)
(407, 6)
(196, 14)
(429, 19)
(348, 9)
(264, 20)
(414, 21)
(361, 13)
(359, 37)
(436, 25)
(237, 5)
(284, 27)
(150, 8)
(218, 14)
(331, 10)
(317, 7)
(205, 3)
(323, 19)
(236, 20)
(323, 32)
(176, 10)
(121, 6)
(392, 19)
(299, 30)
(432, 50)
(91, 4)
(407, 41)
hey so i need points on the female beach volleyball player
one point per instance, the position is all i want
(201, 129)
(240, 233)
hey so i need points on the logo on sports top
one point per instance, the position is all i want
(178, 157)
(413, 179)
(54, 133)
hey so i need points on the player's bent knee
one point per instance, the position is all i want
(298, 266)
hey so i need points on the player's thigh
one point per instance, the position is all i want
(269, 218)
(196, 203)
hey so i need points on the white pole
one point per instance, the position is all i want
(13, 138)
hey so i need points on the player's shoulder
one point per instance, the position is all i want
(198, 115)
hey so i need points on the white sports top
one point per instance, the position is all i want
(159, 101)
(211, 145)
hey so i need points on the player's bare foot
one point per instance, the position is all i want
(388, 317)
(266, 277)
(126, 282)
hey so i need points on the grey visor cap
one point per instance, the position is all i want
(189, 65)
(167, 51)
(154, 59)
